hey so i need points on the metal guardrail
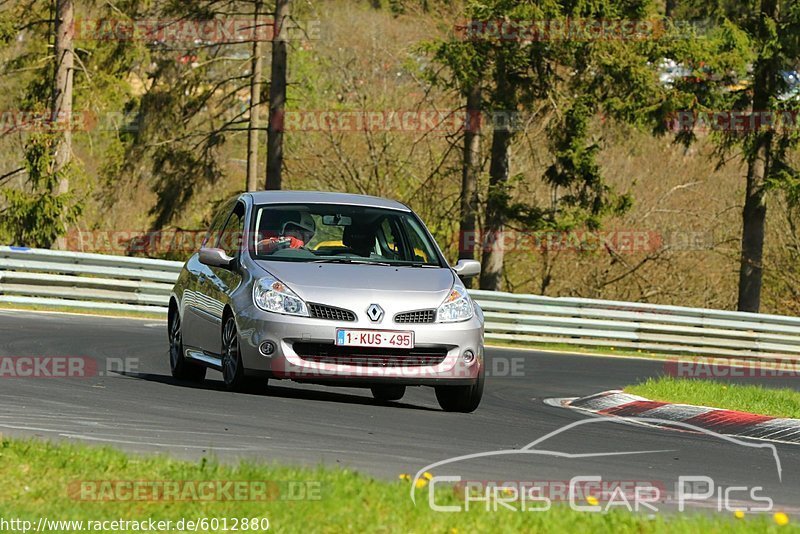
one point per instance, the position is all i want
(638, 326)
(120, 283)
(87, 281)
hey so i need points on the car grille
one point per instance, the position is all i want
(368, 356)
(417, 317)
(320, 311)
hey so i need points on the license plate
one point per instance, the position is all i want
(375, 338)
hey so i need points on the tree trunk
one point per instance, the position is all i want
(669, 8)
(493, 242)
(62, 99)
(255, 103)
(754, 217)
(497, 198)
(62, 88)
(754, 213)
(469, 177)
(277, 96)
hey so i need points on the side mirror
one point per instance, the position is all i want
(215, 257)
(467, 268)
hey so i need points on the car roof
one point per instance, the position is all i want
(321, 197)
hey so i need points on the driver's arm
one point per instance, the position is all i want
(270, 245)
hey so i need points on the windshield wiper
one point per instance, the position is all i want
(348, 260)
(420, 265)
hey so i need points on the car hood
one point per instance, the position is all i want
(357, 286)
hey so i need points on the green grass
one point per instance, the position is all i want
(745, 398)
(38, 476)
(587, 350)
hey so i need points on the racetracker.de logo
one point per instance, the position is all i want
(723, 368)
(579, 29)
(47, 367)
(733, 121)
(194, 490)
(627, 241)
(219, 30)
(399, 120)
(19, 120)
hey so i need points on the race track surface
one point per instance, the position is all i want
(144, 410)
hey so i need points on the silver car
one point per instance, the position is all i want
(329, 288)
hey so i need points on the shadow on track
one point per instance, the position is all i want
(274, 391)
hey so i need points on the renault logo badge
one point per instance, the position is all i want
(375, 313)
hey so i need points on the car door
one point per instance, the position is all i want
(198, 314)
(221, 282)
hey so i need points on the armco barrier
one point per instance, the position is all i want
(101, 282)
(90, 281)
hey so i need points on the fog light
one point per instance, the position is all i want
(266, 348)
(469, 357)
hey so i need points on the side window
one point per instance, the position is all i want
(216, 225)
(230, 239)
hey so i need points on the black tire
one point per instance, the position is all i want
(464, 399)
(232, 367)
(388, 393)
(181, 368)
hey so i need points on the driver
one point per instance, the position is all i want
(297, 230)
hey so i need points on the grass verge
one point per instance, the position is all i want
(587, 350)
(62, 481)
(744, 398)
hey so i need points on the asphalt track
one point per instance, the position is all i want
(144, 410)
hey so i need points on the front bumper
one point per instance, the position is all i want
(451, 340)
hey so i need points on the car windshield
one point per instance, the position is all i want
(329, 233)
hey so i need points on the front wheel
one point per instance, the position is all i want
(232, 367)
(462, 399)
(180, 367)
(388, 393)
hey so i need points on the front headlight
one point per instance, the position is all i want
(456, 307)
(273, 296)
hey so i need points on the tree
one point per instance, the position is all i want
(468, 209)
(200, 94)
(466, 61)
(38, 213)
(497, 198)
(754, 214)
(255, 104)
(755, 42)
(277, 95)
(62, 86)
(36, 218)
(536, 76)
